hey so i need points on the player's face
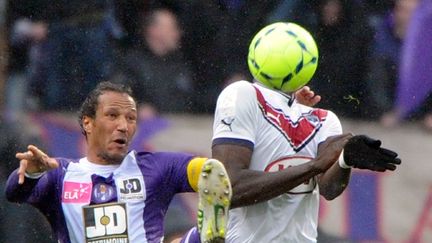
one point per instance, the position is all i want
(112, 129)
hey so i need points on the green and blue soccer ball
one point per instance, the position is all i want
(283, 56)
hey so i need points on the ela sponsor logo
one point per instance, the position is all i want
(76, 192)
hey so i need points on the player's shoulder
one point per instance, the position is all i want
(239, 86)
(161, 157)
(330, 115)
(236, 91)
(326, 116)
(65, 162)
(145, 157)
(64, 166)
(324, 113)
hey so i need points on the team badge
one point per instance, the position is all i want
(313, 119)
(103, 193)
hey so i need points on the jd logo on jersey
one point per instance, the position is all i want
(105, 223)
(131, 188)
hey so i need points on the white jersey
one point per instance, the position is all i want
(282, 133)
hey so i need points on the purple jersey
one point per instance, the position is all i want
(85, 202)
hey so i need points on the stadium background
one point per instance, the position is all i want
(389, 207)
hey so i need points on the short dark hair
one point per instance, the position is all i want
(90, 104)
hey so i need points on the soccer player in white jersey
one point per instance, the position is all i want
(113, 194)
(272, 149)
(280, 157)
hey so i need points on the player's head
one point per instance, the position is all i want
(108, 119)
(283, 56)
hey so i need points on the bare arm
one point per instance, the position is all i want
(250, 187)
(334, 181)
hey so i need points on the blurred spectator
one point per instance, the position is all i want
(374, 7)
(385, 55)
(343, 36)
(217, 34)
(284, 10)
(26, 40)
(21, 34)
(127, 14)
(155, 68)
(414, 88)
(76, 52)
(297, 11)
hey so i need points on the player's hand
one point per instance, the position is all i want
(330, 150)
(34, 161)
(363, 152)
(307, 97)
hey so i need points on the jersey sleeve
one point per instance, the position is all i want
(175, 171)
(331, 127)
(236, 111)
(32, 191)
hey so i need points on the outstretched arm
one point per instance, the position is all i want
(250, 187)
(30, 174)
(360, 152)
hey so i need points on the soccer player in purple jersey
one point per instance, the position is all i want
(113, 194)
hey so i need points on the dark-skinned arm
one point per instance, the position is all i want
(334, 181)
(250, 187)
(360, 152)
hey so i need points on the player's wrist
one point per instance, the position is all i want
(342, 162)
(317, 166)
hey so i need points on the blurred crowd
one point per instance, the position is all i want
(375, 56)
(178, 55)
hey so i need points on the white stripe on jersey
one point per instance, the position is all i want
(80, 173)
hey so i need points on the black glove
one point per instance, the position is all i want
(363, 152)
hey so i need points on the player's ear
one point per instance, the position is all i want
(87, 121)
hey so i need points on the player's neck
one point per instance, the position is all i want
(289, 96)
(94, 159)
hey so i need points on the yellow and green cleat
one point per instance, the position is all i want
(214, 191)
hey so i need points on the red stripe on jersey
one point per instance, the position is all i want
(298, 133)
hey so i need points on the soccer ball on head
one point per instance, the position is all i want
(283, 56)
